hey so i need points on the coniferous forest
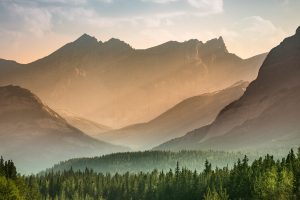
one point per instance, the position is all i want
(146, 161)
(264, 178)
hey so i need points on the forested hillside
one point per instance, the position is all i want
(264, 178)
(135, 162)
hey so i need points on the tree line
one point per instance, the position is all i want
(264, 178)
(146, 161)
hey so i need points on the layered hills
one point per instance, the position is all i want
(186, 116)
(35, 136)
(115, 85)
(265, 118)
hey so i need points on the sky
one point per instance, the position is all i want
(32, 29)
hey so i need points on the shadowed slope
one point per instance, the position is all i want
(35, 136)
(265, 117)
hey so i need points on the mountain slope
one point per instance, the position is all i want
(35, 136)
(188, 115)
(89, 127)
(266, 117)
(114, 84)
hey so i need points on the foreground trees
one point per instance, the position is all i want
(265, 178)
(13, 186)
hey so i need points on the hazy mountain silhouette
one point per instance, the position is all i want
(116, 85)
(183, 117)
(87, 126)
(35, 136)
(266, 117)
(8, 66)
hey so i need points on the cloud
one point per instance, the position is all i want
(214, 4)
(25, 18)
(49, 2)
(203, 6)
(252, 35)
(259, 27)
(160, 1)
(40, 16)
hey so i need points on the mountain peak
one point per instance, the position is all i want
(221, 40)
(15, 99)
(193, 42)
(86, 39)
(116, 43)
(215, 46)
(16, 95)
(116, 40)
(13, 90)
(217, 43)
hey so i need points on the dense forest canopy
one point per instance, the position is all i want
(264, 178)
(147, 161)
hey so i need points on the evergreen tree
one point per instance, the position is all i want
(2, 167)
(8, 190)
(208, 167)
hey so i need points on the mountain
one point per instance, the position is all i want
(265, 118)
(87, 126)
(116, 85)
(7, 66)
(35, 136)
(187, 115)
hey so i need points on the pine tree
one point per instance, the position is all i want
(177, 171)
(10, 170)
(2, 167)
(207, 168)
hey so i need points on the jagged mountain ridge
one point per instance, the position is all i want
(116, 85)
(35, 136)
(266, 117)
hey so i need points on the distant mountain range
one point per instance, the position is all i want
(266, 117)
(186, 116)
(35, 136)
(116, 85)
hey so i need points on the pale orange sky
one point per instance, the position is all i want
(33, 29)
